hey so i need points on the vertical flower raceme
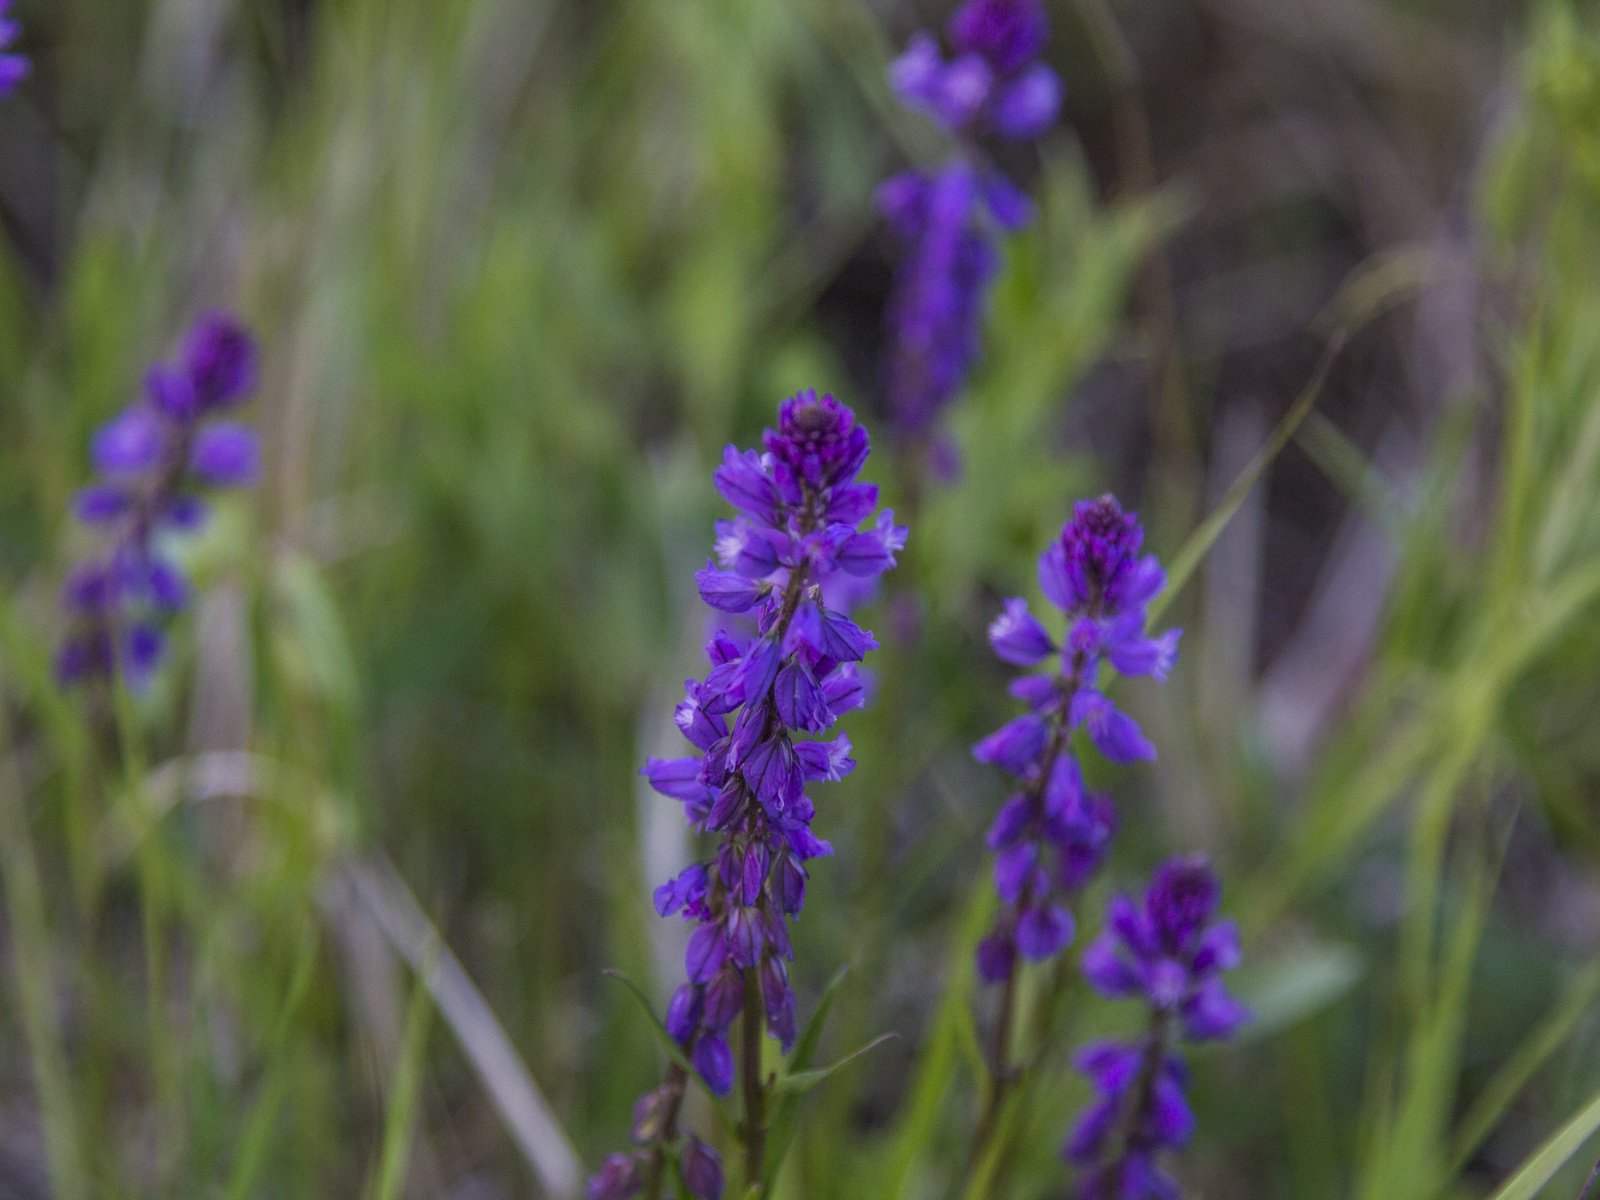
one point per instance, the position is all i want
(1053, 833)
(150, 459)
(949, 219)
(1168, 952)
(14, 68)
(759, 722)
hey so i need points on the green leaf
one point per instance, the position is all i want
(786, 1118)
(675, 1051)
(1294, 986)
(1549, 1158)
(800, 1082)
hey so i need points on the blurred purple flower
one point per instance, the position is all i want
(149, 457)
(950, 219)
(14, 68)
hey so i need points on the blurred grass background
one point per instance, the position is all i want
(521, 269)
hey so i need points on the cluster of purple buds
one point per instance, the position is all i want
(1053, 833)
(1168, 952)
(149, 459)
(800, 516)
(623, 1176)
(949, 219)
(14, 68)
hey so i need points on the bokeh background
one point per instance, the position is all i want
(521, 268)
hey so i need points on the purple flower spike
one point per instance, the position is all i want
(951, 219)
(149, 457)
(1167, 951)
(1052, 836)
(760, 723)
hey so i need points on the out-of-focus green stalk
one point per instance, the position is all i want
(36, 980)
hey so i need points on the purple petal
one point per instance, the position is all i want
(1027, 106)
(1113, 732)
(728, 591)
(227, 454)
(131, 442)
(1017, 637)
(714, 1061)
(1015, 746)
(1212, 1013)
(1044, 932)
(98, 503)
(997, 957)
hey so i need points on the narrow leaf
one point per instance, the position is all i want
(799, 1082)
(675, 1051)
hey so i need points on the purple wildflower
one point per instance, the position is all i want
(1053, 833)
(757, 721)
(148, 458)
(950, 219)
(993, 81)
(14, 68)
(800, 518)
(1169, 952)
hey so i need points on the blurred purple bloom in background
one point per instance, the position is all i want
(1052, 834)
(950, 219)
(1168, 952)
(148, 458)
(14, 68)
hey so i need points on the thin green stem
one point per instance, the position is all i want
(36, 982)
(753, 1130)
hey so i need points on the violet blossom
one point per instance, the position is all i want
(1053, 833)
(150, 459)
(759, 721)
(950, 219)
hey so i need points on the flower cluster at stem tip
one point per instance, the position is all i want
(950, 218)
(149, 459)
(1053, 833)
(759, 721)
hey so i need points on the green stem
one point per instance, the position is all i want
(153, 893)
(36, 983)
(753, 1130)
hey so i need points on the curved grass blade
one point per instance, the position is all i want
(1542, 1165)
(1199, 542)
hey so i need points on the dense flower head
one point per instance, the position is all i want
(778, 678)
(14, 68)
(1168, 951)
(950, 219)
(149, 459)
(759, 717)
(1053, 834)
